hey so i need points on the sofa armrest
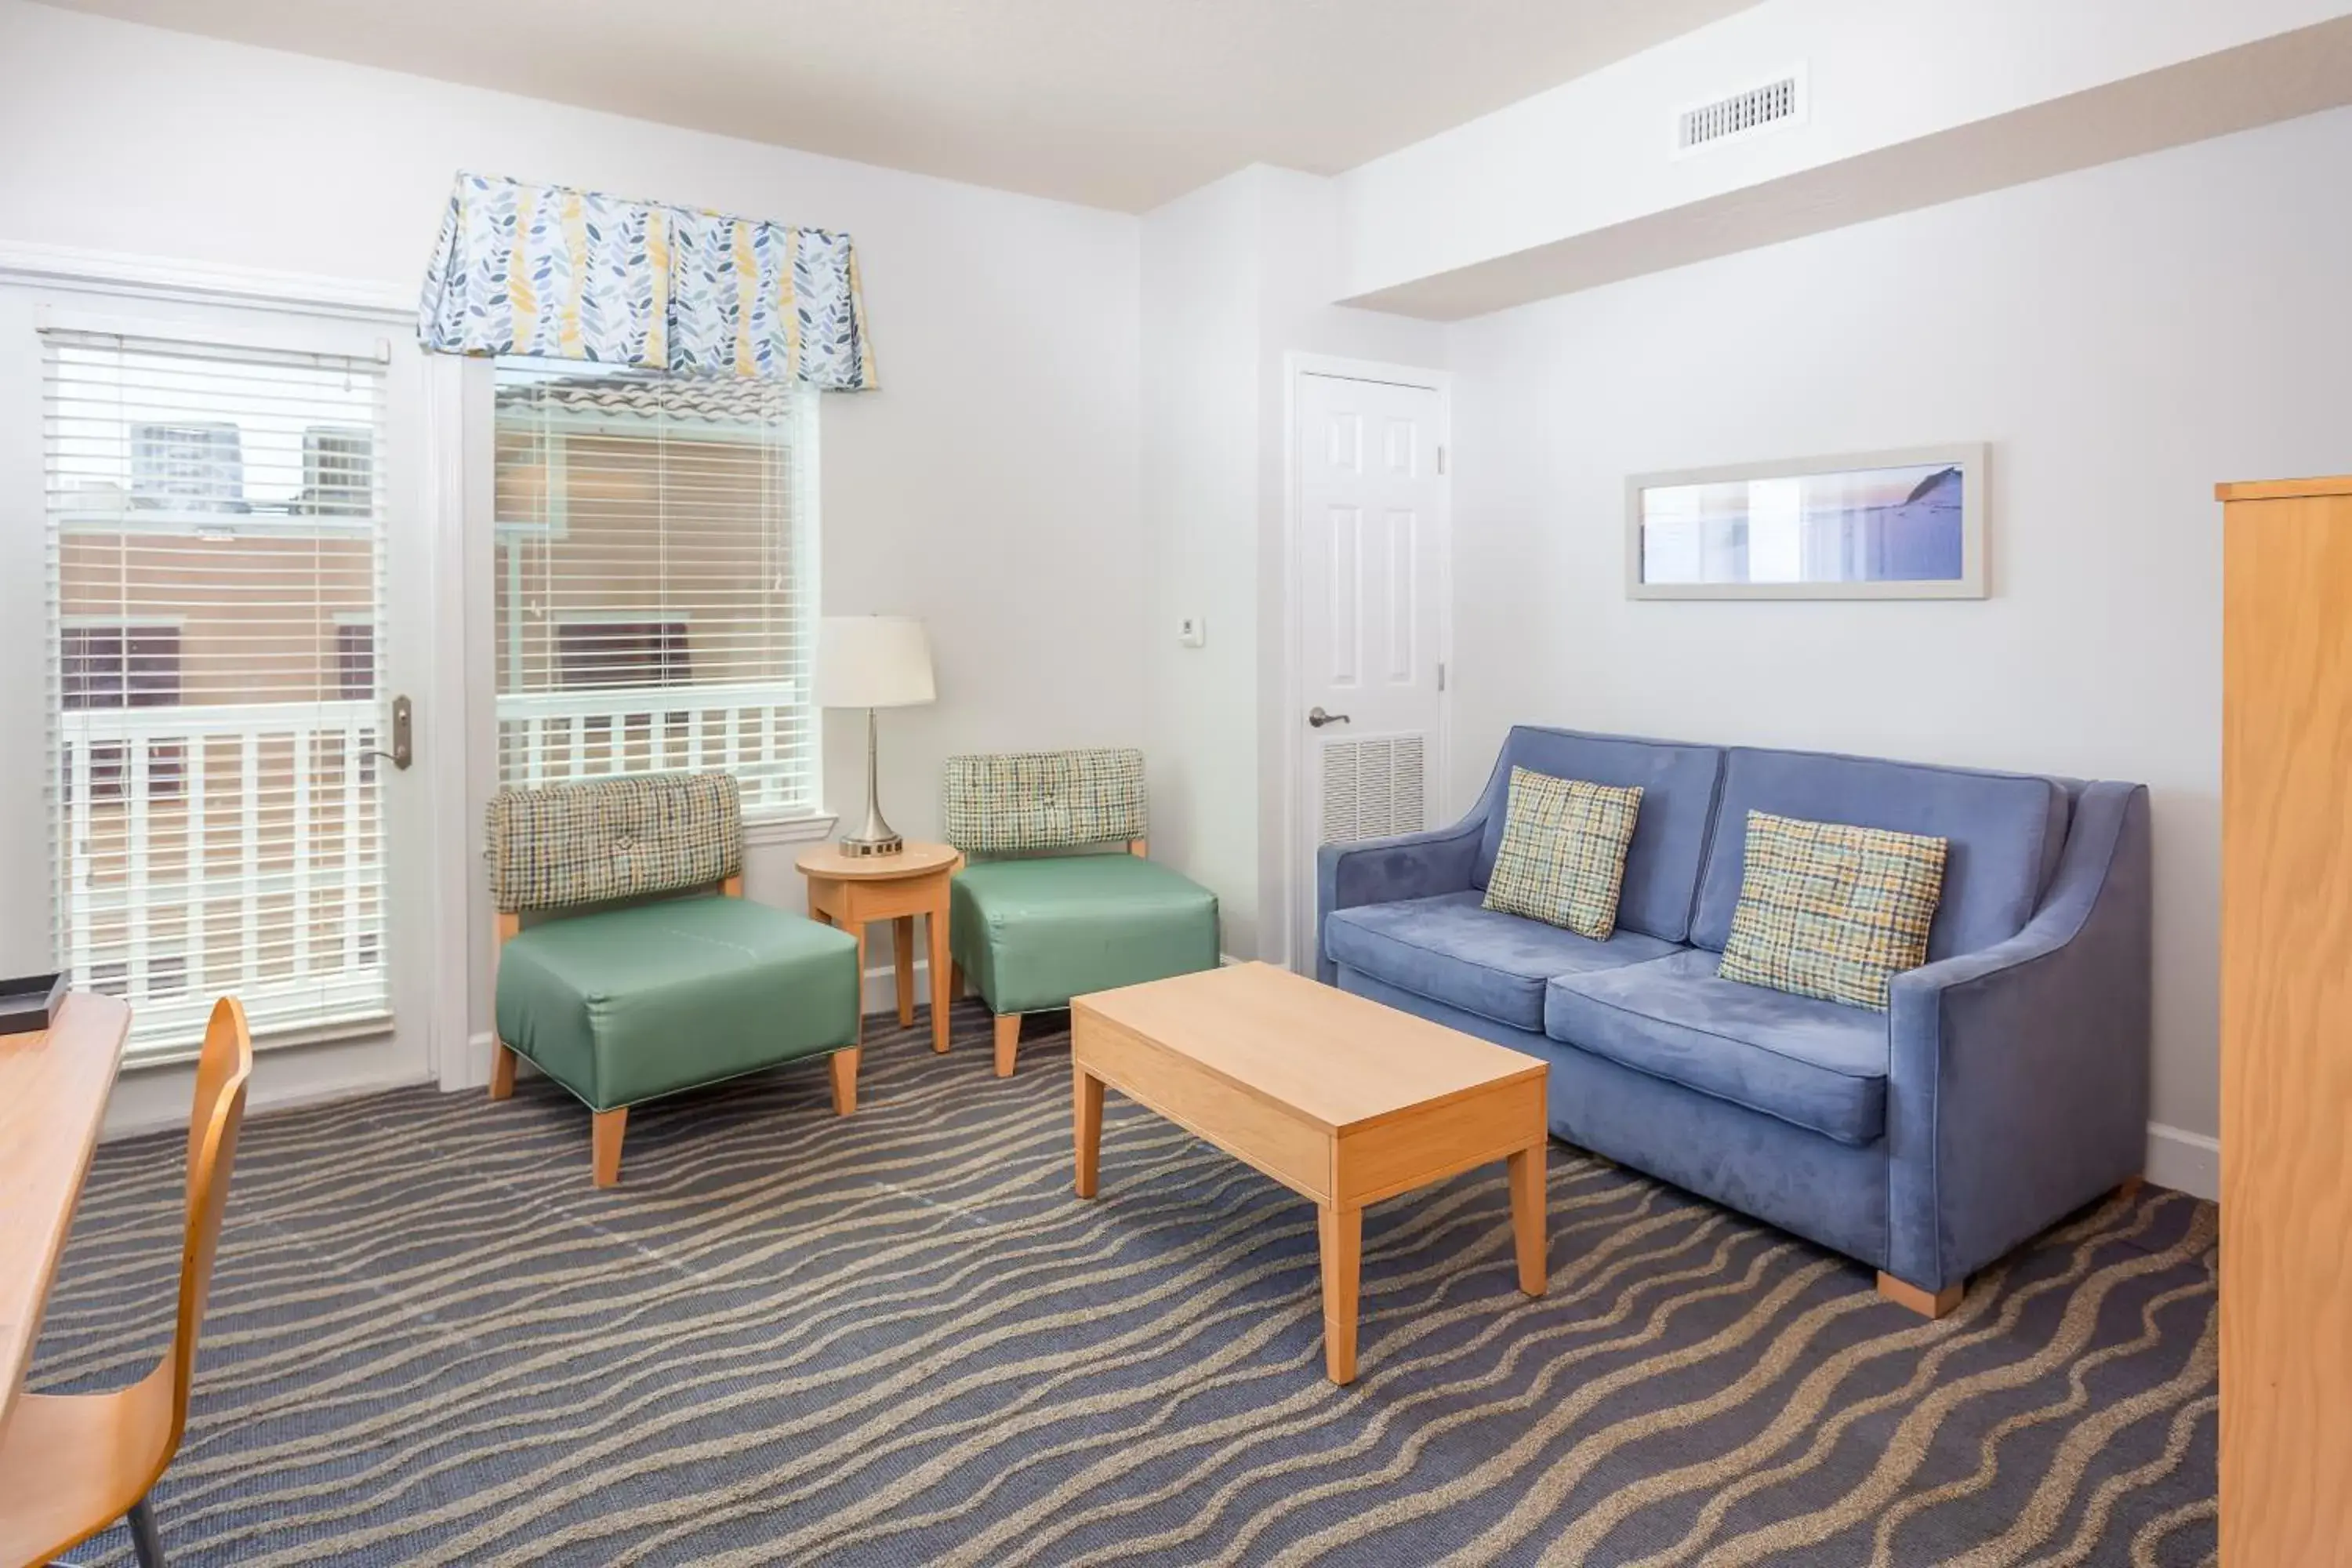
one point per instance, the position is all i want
(1383, 870)
(2018, 1075)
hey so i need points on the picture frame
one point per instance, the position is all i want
(1903, 524)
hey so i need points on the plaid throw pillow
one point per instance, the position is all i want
(1562, 858)
(1830, 910)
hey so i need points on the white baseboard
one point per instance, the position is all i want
(2184, 1160)
(158, 1101)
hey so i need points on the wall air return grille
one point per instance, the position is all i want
(1768, 107)
(1374, 787)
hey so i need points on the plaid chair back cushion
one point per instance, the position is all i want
(1044, 800)
(587, 843)
(1830, 910)
(1563, 857)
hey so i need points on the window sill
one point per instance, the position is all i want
(760, 831)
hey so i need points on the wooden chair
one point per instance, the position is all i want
(72, 1464)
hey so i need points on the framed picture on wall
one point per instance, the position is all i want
(1906, 524)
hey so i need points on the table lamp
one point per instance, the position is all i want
(870, 662)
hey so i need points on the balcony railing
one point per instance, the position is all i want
(755, 729)
(224, 848)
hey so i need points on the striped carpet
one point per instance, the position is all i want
(899, 1339)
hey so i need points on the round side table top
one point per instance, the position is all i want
(915, 860)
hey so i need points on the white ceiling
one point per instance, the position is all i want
(1118, 103)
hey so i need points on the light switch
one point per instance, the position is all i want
(1192, 631)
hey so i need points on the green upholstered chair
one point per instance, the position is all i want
(1032, 927)
(625, 990)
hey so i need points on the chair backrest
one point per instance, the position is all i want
(589, 843)
(212, 1123)
(1006, 801)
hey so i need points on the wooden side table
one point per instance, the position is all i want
(848, 891)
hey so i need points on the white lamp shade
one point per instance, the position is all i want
(872, 661)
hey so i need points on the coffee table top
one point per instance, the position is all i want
(1335, 1059)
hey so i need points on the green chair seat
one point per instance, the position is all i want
(1031, 935)
(628, 1004)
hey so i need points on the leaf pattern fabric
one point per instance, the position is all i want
(559, 273)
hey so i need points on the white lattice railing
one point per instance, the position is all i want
(220, 847)
(757, 731)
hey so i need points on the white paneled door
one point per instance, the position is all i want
(1370, 554)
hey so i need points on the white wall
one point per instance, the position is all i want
(990, 486)
(1201, 428)
(1235, 276)
(2124, 337)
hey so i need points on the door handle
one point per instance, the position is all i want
(1317, 717)
(403, 750)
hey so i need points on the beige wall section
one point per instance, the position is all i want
(2122, 337)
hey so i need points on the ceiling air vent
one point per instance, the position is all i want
(1768, 107)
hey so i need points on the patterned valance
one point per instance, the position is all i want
(566, 274)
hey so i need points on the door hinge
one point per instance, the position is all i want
(1441, 674)
(1441, 458)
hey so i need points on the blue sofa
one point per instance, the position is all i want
(2006, 1086)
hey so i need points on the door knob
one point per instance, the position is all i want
(1317, 717)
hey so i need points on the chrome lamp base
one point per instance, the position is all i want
(876, 838)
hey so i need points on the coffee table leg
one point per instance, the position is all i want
(1085, 1123)
(1528, 1218)
(1342, 1231)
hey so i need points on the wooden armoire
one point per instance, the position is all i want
(2287, 1024)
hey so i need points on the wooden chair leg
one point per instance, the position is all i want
(1008, 1042)
(611, 1126)
(2129, 1191)
(843, 1065)
(955, 983)
(502, 1069)
(1930, 1304)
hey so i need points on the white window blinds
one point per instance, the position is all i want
(655, 580)
(215, 570)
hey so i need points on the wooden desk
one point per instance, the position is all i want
(53, 1090)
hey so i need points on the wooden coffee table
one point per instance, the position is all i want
(1338, 1099)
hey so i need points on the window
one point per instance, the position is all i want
(622, 653)
(355, 661)
(215, 585)
(656, 581)
(118, 666)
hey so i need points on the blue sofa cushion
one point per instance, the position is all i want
(1677, 783)
(1450, 950)
(2005, 833)
(1816, 1064)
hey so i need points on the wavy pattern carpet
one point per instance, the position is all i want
(899, 1339)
